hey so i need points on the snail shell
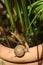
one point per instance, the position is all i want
(19, 50)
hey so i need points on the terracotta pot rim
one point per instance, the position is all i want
(29, 57)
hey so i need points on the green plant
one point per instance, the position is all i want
(26, 22)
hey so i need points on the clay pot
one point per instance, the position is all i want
(33, 57)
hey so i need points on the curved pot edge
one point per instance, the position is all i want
(34, 54)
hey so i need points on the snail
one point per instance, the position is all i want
(20, 50)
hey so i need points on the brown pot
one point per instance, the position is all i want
(33, 57)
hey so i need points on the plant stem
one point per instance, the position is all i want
(18, 11)
(10, 13)
(25, 13)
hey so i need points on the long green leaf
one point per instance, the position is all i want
(9, 12)
(26, 18)
(34, 4)
(18, 12)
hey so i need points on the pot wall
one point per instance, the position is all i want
(34, 63)
(34, 54)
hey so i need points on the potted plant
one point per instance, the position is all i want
(20, 31)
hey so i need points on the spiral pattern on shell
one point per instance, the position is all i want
(19, 50)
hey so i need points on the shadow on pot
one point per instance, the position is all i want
(40, 62)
